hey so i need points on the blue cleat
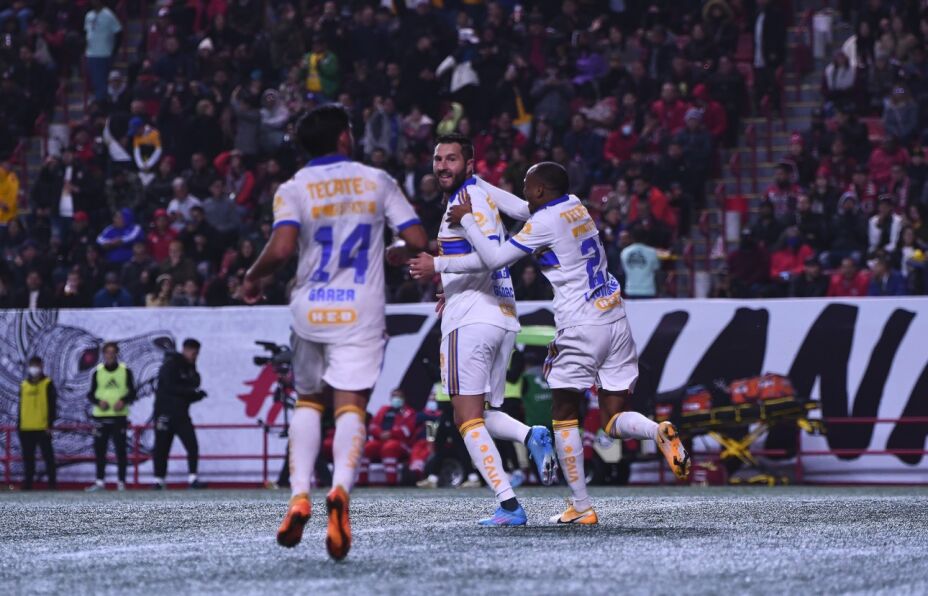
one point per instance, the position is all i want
(541, 447)
(504, 518)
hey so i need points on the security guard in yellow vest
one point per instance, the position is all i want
(37, 412)
(112, 389)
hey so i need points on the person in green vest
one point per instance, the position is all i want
(112, 389)
(37, 412)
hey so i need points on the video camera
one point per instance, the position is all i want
(280, 358)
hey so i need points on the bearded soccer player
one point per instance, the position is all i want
(593, 344)
(478, 330)
(334, 211)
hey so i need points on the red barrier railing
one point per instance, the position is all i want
(136, 457)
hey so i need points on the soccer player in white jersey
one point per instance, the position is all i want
(478, 330)
(593, 342)
(334, 211)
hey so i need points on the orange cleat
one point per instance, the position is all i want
(668, 441)
(338, 535)
(587, 517)
(291, 529)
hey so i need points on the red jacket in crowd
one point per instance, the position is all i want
(672, 116)
(843, 287)
(790, 261)
(618, 146)
(713, 114)
(400, 424)
(660, 208)
(882, 162)
(491, 173)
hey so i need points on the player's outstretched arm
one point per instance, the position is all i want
(508, 203)
(281, 246)
(492, 255)
(415, 238)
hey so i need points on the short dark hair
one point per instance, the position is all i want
(191, 343)
(35, 360)
(111, 344)
(553, 176)
(318, 130)
(467, 147)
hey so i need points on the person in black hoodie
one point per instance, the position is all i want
(178, 387)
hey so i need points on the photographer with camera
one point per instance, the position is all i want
(178, 387)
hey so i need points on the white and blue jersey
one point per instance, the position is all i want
(477, 297)
(565, 242)
(340, 207)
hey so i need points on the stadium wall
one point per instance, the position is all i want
(862, 358)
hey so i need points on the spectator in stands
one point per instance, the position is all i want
(884, 227)
(531, 286)
(884, 158)
(177, 265)
(823, 196)
(117, 239)
(112, 294)
(804, 163)
(670, 110)
(839, 165)
(769, 29)
(390, 436)
(810, 283)
(783, 193)
(657, 202)
(900, 115)
(848, 281)
(73, 293)
(35, 296)
(885, 281)
(849, 238)
(640, 265)
(103, 36)
(727, 86)
(788, 261)
(854, 132)
(9, 196)
(838, 80)
(181, 205)
(748, 268)
(863, 189)
(811, 225)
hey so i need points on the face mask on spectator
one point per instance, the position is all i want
(627, 129)
(35, 371)
(396, 402)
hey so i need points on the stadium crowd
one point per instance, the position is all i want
(162, 194)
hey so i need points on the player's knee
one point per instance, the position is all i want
(565, 409)
(373, 449)
(393, 449)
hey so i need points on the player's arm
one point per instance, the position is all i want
(282, 245)
(402, 218)
(491, 254)
(508, 203)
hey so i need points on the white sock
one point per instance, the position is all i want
(305, 438)
(433, 478)
(503, 426)
(632, 425)
(486, 458)
(159, 481)
(191, 478)
(99, 482)
(569, 446)
(348, 445)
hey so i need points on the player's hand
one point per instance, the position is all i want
(440, 305)
(422, 266)
(103, 405)
(251, 291)
(458, 211)
(119, 405)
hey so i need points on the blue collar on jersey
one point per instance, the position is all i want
(470, 181)
(554, 202)
(327, 160)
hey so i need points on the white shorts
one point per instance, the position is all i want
(473, 361)
(587, 355)
(349, 366)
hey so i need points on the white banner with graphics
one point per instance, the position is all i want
(863, 358)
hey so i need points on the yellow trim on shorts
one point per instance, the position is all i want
(470, 425)
(349, 408)
(305, 403)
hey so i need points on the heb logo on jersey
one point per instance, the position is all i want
(330, 295)
(606, 297)
(332, 316)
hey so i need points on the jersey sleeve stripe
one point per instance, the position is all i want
(521, 247)
(412, 222)
(286, 222)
